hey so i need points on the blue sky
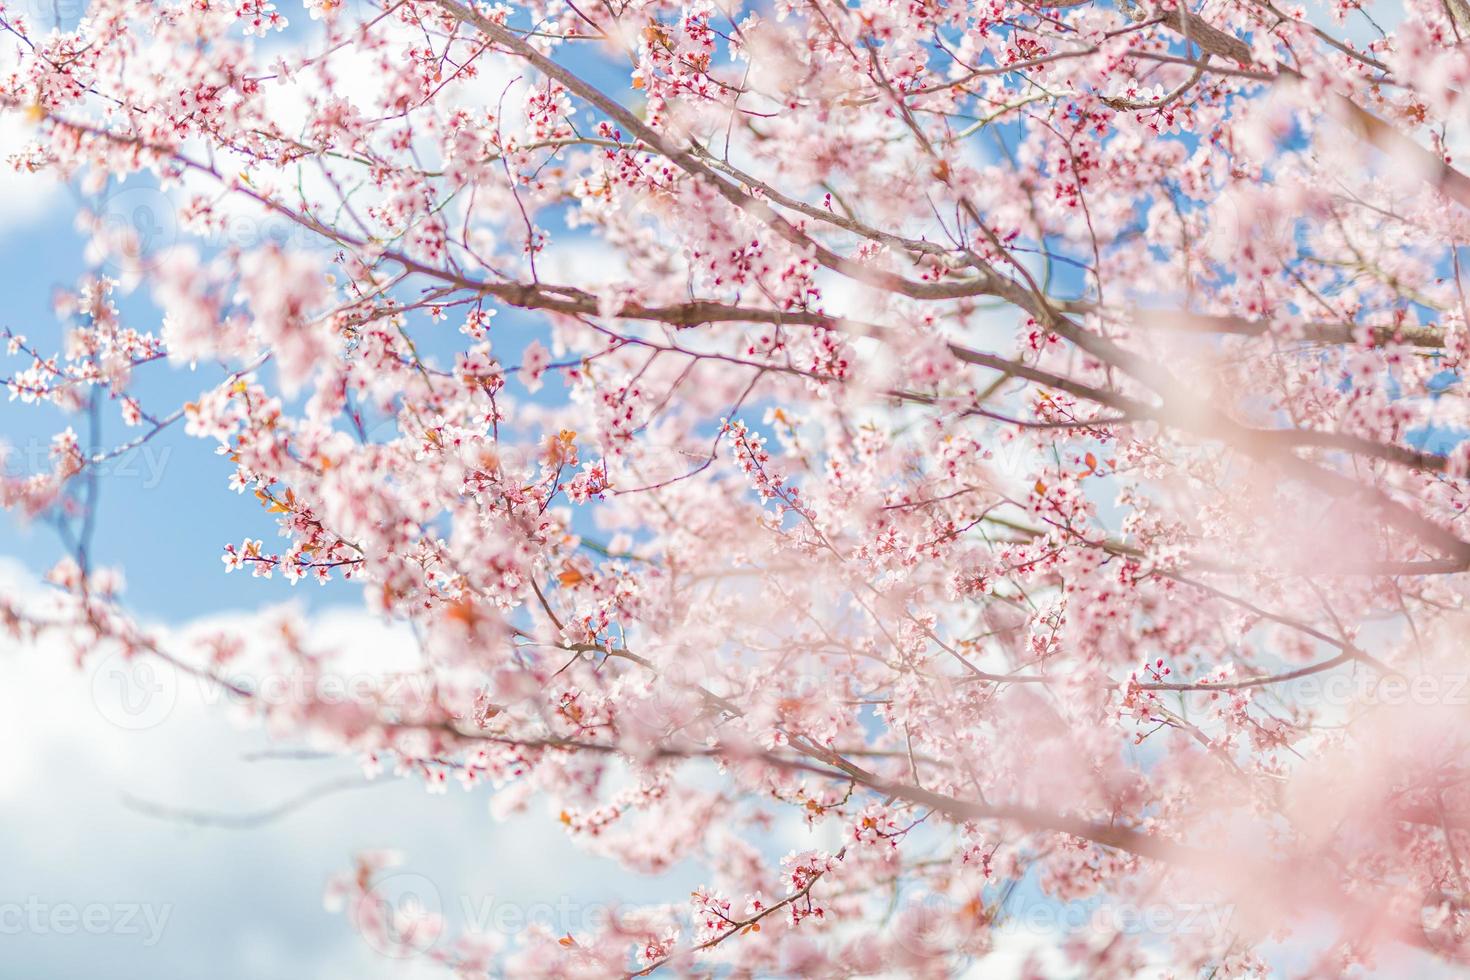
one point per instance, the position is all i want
(167, 898)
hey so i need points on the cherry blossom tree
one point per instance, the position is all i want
(1017, 440)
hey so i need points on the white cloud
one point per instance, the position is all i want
(24, 196)
(235, 902)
